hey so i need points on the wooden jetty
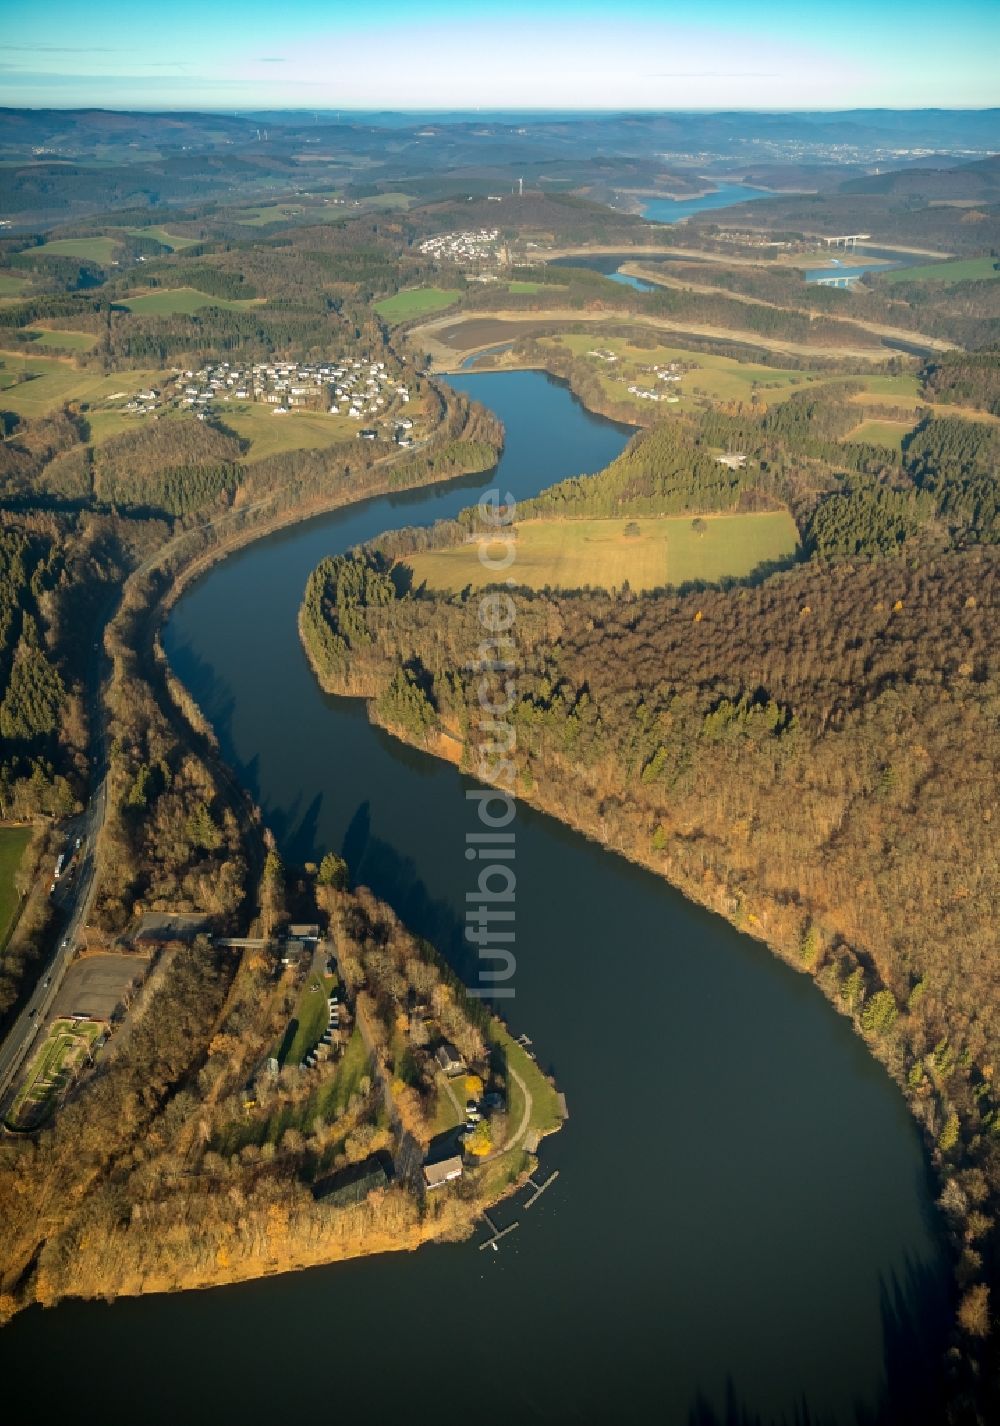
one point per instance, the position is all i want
(496, 1233)
(540, 1187)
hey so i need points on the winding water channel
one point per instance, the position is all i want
(742, 1210)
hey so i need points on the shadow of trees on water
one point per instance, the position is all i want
(914, 1309)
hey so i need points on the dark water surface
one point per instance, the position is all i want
(608, 265)
(742, 1209)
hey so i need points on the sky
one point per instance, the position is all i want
(441, 54)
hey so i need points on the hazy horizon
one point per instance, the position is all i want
(549, 55)
(499, 111)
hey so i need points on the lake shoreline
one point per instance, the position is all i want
(205, 666)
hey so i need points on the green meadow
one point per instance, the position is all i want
(173, 241)
(267, 213)
(33, 385)
(416, 302)
(971, 269)
(55, 337)
(881, 433)
(167, 301)
(11, 286)
(99, 249)
(648, 553)
(718, 377)
(269, 434)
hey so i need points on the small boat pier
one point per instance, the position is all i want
(540, 1187)
(496, 1233)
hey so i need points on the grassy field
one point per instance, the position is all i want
(11, 286)
(415, 302)
(327, 1102)
(298, 431)
(308, 1021)
(265, 434)
(354, 1064)
(13, 841)
(100, 249)
(972, 269)
(903, 393)
(568, 554)
(111, 422)
(881, 433)
(166, 301)
(389, 201)
(446, 1115)
(529, 287)
(718, 377)
(267, 213)
(173, 241)
(53, 382)
(545, 1116)
(890, 388)
(54, 337)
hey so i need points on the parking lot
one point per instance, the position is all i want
(94, 985)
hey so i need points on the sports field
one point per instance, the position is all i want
(167, 301)
(13, 841)
(100, 249)
(54, 337)
(971, 269)
(51, 382)
(415, 302)
(646, 552)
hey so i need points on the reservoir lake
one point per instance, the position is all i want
(743, 1218)
(673, 210)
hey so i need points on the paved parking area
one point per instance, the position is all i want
(94, 985)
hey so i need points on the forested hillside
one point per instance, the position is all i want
(966, 378)
(815, 756)
(55, 573)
